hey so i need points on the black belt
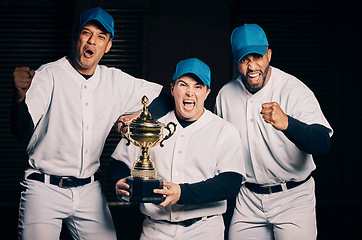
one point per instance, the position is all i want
(64, 181)
(185, 223)
(260, 189)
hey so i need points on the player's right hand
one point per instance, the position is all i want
(274, 115)
(22, 81)
(126, 118)
(121, 188)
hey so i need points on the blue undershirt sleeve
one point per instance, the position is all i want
(226, 185)
(21, 123)
(312, 139)
(161, 105)
(117, 170)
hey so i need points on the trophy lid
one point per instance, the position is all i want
(145, 116)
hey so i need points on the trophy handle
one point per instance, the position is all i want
(119, 130)
(170, 133)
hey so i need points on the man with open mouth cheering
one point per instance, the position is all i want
(281, 125)
(200, 164)
(67, 108)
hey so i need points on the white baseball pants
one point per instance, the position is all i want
(285, 215)
(84, 210)
(209, 228)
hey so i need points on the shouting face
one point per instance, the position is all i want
(92, 43)
(254, 70)
(190, 96)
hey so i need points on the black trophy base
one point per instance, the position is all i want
(141, 191)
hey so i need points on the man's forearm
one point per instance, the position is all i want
(117, 171)
(21, 122)
(313, 139)
(223, 186)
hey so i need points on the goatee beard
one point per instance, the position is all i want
(255, 89)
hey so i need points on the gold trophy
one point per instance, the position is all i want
(144, 132)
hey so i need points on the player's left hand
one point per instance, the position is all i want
(273, 114)
(173, 193)
(122, 188)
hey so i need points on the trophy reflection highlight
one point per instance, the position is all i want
(144, 132)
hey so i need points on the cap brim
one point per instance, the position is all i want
(240, 53)
(202, 78)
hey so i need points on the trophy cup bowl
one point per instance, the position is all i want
(144, 132)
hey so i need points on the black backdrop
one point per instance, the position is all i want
(317, 41)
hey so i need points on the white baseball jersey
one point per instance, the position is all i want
(73, 116)
(270, 156)
(198, 152)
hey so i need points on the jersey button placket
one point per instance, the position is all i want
(251, 125)
(178, 159)
(87, 115)
(250, 107)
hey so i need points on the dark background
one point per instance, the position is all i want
(317, 41)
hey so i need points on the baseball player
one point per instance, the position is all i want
(68, 108)
(281, 125)
(200, 164)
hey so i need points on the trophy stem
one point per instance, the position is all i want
(144, 156)
(144, 168)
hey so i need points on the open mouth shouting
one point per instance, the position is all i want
(255, 80)
(88, 53)
(189, 104)
(254, 77)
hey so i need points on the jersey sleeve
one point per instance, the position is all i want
(133, 89)
(304, 106)
(38, 96)
(229, 151)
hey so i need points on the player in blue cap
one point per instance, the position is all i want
(67, 109)
(282, 126)
(200, 164)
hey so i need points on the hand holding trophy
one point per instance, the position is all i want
(144, 132)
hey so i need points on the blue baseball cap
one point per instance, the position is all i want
(246, 39)
(101, 16)
(195, 66)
